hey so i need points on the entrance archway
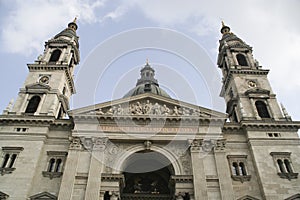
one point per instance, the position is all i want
(148, 176)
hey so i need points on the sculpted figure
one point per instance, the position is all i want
(147, 107)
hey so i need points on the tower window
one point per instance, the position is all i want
(238, 167)
(33, 104)
(262, 109)
(9, 159)
(283, 164)
(241, 60)
(55, 166)
(55, 55)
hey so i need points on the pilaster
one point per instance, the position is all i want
(68, 179)
(223, 170)
(96, 167)
(199, 178)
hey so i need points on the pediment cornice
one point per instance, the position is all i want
(146, 106)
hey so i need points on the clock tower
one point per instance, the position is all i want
(49, 84)
(246, 88)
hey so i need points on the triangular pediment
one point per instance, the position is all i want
(294, 197)
(3, 195)
(147, 104)
(43, 195)
(247, 197)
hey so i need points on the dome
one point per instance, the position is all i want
(147, 84)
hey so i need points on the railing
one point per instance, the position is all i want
(146, 197)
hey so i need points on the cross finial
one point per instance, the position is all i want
(147, 61)
(223, 24)
(75, 19)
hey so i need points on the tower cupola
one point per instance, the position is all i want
(147, 83)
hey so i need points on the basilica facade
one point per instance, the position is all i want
(147, 145)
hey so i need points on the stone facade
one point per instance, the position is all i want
(147, 145)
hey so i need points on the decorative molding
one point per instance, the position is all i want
(75, 143)
(241, 178)
(43, 195)
(288, 176)
(94, 143)
(220, 145)
(12, 149)
(52, 175)
(182, 178)
(3, 196)
(6, 170)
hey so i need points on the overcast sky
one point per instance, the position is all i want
(271, 27)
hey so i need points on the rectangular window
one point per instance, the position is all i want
(283, 163)
(9, 157)
(238, 166)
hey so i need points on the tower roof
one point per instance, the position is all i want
(147, 83)
(230, 40)
(70, 31)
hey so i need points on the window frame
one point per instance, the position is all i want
(9, 159)
(55, 164)
(284, 166)
(238, 167)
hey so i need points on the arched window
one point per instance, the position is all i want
(243, 169)
(262, 109)
(58, 163)
(235, 169)
(55, 55)
(33, 104)
(106, 196)
(288, 166)
(281, 167)
(5, 160)
(51, 164)
(241, 60)
(12, 160)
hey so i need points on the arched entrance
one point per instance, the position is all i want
(147, 176)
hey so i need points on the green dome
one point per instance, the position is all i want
(147, 84)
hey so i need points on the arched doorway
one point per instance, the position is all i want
(148, 176)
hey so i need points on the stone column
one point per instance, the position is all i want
(68, 179)
(96, 166)
(199, 178)
(223, 171)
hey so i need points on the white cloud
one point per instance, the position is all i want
(45, 18)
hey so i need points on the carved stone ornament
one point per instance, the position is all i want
(75, 143)
(208, 145)
(147, 144)
(149, 108)
(220, 145)
(195, 144)
(99, 143)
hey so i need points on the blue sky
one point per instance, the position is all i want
(270, 27)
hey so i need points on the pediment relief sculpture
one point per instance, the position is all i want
(151, 108)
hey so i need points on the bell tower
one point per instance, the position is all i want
(49, 84)
(246, 89)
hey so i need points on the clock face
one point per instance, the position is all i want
(44, 79)
(252, 83)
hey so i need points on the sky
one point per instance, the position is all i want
(180, 39)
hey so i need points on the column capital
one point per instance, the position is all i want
(220, 145)
(75, 143)
(94, 143)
